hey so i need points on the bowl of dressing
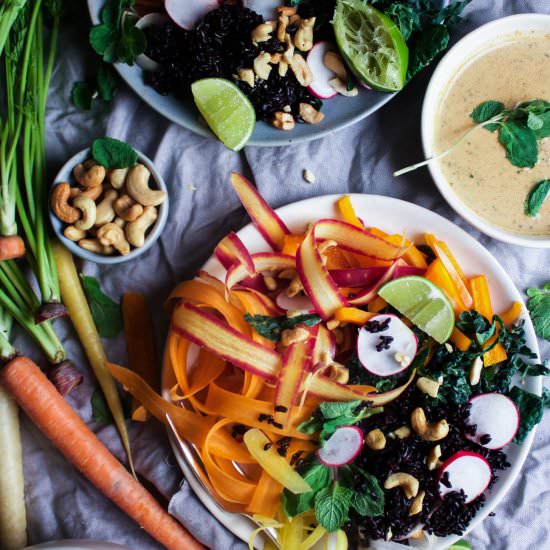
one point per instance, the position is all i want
(506, 60)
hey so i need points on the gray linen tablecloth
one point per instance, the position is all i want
(60, 502)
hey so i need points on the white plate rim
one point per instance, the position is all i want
(378, 210)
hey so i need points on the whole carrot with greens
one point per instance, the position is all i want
(38, 397)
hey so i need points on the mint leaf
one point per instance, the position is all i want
(272, 327)
(534, 121)
(520, 143)
(531, 410)
(332, 506)
(368, 497)
(132, 43)
(334, 409)
(487, 110)
(102, 38)
(105, 312)
(107, 82)
(536, 197)
(113, 153)
(318, 477)
(539, 309)
(82, 96)
(544, 130)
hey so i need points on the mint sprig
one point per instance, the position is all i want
(536, 197)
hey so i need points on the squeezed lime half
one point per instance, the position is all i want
(371, 44)
(423, 303)
(226, 110)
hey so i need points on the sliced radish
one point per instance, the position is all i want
(380, 355)
(266, 8)
(296, 303)
(497, 419)
(187, 14)
(466, 471)
(341, 447)
(320, 87)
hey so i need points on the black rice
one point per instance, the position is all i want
(219, 46)
(441, 516)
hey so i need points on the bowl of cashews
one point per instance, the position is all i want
(108, 215)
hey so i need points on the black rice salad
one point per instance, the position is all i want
(219, 46)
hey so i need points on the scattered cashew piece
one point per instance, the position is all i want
(407, 482)
(376, 440)
(428, 431)
(417, 503)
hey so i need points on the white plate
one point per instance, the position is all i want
(394, 216)
(77, 545)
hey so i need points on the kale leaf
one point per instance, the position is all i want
(272, 327)
(539, 309)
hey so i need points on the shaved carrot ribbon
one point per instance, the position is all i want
(348, 212)
(264, 261)
(232, 250)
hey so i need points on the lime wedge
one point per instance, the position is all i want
(371, 44)
(226, 109)
(460, 545)
(423, 303)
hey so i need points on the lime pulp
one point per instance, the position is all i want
(461, 545)
(371, 44)
(226, 110)
(423, 303)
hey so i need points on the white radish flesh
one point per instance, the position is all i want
(400, 352)
(341, 447)
(296, 303)
(13, 520)
(465, 471)
(496, 417)
(320, 87)
(266, 8)
(188, 13)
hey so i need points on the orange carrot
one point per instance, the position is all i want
(38, 397)
(140, 343)
(352, 315)
(11, 247)
(511, 314)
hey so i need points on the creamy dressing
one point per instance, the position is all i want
(515, 70)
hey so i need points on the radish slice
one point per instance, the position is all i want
(341, 447)
(149, 20)
(497, 419)
(319, 86)
(187, 14)
(296, 303)
(466, 471)
(266, 8)
(386, 352)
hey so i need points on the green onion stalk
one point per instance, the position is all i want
(9, 11)
(28, 70)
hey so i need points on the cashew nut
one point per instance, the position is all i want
(376, 440)
(262, 33)
(402, 433)
(283, 121)
(87, 206)
(104, 210)
(74, 234)
(334, 62)
(295, 287)
(407, 482)
(91, 192)
(89, 176)
(428, 386)
(301, 70)
(270, 282)
(117, 177)
(262, 65)
(417, 503)
(303, 39)
(310, 114)
(433, 457)
(293, 335)
(60, 203)
(475, 371)
(137, 185)
(289, 11)
(135, 231)
(120, 222)
(336, 372)
(112, 234)
(127, 208)
(93, 245)
(283, 67)
(428, 431)
(246, 75)
(341, 88)
(281, 29)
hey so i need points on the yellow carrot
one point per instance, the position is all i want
(348, 212)
(74, 299)
(511, 314)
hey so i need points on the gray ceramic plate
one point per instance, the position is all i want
(339, 111)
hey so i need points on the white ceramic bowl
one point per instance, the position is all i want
(470, 46)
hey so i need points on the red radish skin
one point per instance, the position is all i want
(495, 415)
(467, 471)
(366, 276)
(187, 14)
(384, 362)
(342, 447)
(320, 87)
(296, 303)
(231, 249)
(367, 296)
